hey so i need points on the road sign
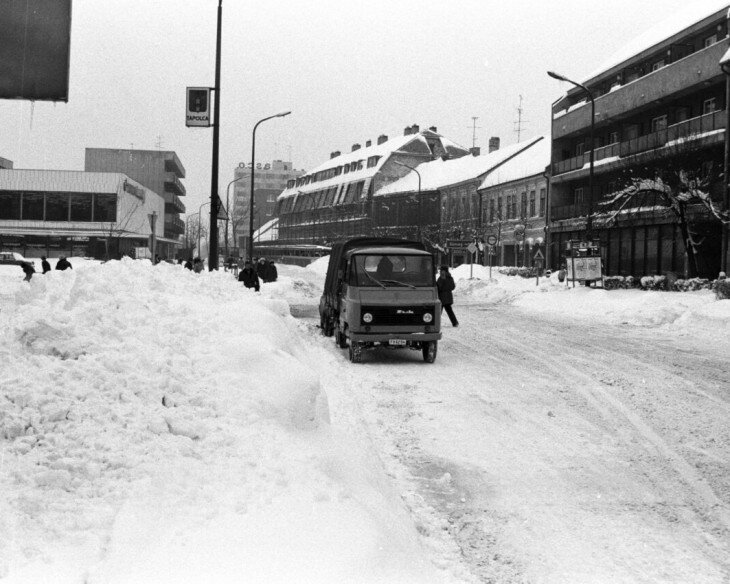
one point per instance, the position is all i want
(472, 247)
(197, 110)
(491, 239)
(538, 256)
(492, 250)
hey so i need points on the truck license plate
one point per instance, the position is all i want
(398, 342)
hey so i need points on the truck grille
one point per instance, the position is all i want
(396, 315)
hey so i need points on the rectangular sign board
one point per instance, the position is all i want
(584, 268)
(35, 49)
(197, 107)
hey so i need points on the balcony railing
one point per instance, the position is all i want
(568, 212)
(692, 129)
(173, 164)
(173, 185)
(174, 205)
(174, 226)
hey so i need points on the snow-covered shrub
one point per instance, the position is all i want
(691, 284)
(722, 289)
(613, 282)
(654, 283)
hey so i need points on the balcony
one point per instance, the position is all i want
(173, 204)
(694, 128)
(173, 185)
(694, 71)
(173, 164)
(174, 227)
(568, 212)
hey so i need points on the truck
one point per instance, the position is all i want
(381, 292)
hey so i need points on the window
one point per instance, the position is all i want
(57, 206)
(658, 65)
(491, 210)
(710, 40)
(543, 200)
(580, 148)
(33, 206)
(9, 205)
(500, 212)
(709, 105)
(613, 138)
(532, 203)
(659, 123)
(105, 207)
(578, 195)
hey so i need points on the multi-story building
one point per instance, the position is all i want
(159, 171)
(270, 179)
(73, 213)
(514, 206)
(335, 199)
(660, 109)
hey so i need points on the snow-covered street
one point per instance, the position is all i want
(162, 426)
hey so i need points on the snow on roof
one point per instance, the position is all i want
(531, 161)
(676, 22)
(382, 150)
(440, 173)
(72, 181)
(268, 231)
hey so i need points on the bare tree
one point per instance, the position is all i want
(679, 184)
(130, 222)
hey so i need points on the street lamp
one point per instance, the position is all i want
(228, 208)
(419, 194)
(589, 223)
(253, 173)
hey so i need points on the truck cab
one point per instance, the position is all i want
(381, 292)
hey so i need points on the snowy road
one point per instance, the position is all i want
(535, 450)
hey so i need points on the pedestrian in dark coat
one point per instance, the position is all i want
(45, 265)
(262, 269)
(249, 277)
(28, 270)
(198, 265)
(189, 264)
(273, 272)
(63, 264)
(445, 285)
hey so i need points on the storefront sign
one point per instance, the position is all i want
(134, 190)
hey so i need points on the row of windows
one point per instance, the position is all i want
(31, 206)
(337, 195)
(333, 172)
(501, 208)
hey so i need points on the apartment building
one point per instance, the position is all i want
(660, 110)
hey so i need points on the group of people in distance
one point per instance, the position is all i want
(29, 269)
(261, 268)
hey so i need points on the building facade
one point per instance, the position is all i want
(660, 113)
(55, 213)
(159, 171)
(514, 207)
(335, 200)
(270, 179)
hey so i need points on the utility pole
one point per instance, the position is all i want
(213, 244)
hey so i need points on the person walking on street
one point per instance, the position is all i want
(45, 265)
(189, 264)
(445, 285)
(198, 265)
(28, 270)
(249, 277)
(63, 264)
(273, 272)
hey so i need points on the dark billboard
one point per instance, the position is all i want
(35, 39)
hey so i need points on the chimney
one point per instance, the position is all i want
(335, 154)
(355, 147)
(493, 144)
(433, 129)
(382, 138)
(368, 143)
(475, 150)
(407, 131)
(415, 129)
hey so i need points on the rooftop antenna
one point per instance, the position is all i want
(474, 131)
(520, 121)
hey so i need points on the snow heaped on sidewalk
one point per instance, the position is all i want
(162, 426)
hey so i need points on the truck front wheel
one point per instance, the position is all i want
(430, 348)
(340, 339)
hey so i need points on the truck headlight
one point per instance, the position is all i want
(367, 317)
(427, 317)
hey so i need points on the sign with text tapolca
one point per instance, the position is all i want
(197, 107)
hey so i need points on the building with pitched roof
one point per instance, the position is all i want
(660, 110)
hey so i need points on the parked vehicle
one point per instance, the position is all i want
(11, 258)
(381, 292)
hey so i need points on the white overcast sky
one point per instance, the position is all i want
(348, 71)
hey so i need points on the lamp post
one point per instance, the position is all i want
(589, 222)
(419, 194)
(253, 173)
(228, 208)
(200, 211)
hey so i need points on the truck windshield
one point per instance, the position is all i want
(388, 270)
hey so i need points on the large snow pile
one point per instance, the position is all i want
(158, 425)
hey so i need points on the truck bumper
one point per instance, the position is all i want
(385, 337)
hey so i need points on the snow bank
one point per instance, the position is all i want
(158, 425)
